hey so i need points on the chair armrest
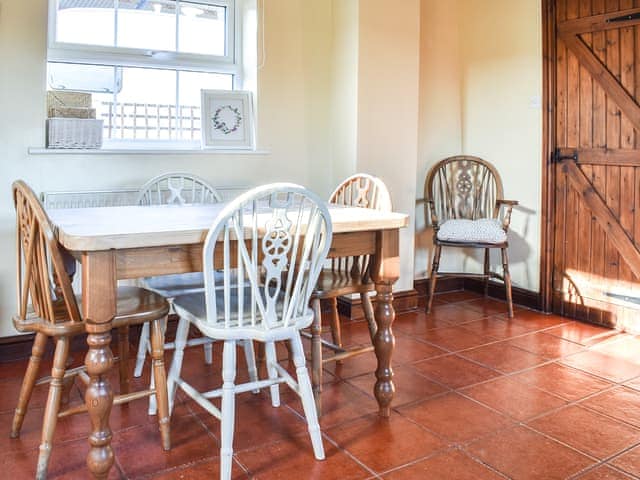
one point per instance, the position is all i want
(434, 217)
(507, 213)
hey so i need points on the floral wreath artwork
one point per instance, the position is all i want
(227, 119)
(221, 117)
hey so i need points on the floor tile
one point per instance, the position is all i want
(342, 402)
(454, 338)
(566, 382)
(454, 371)
(603, 472)
(410, 386)
(190, 441)
(441, 316)
(496, 328)
(385, 443)
(621, 403)
(587, 431)
(202, 470)
(603, 365)
(522, 454)
(487, 306)
(629, 461)
(408, 350)
(503, 357)
(449, 465)
(583, 333)
(535, 320)
(546, 345)
(68, 462)
(457, 296)
(624, 347)
(294, 459)
(455, 417)
(354, 366)
(514, 399)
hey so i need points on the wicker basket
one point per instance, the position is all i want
(74, 133)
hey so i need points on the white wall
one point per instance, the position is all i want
(293, 114)
(491, 52)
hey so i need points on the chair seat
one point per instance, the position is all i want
(134, 306)
(333, 283)
(483, 230)
(176, 284)
(192, 306)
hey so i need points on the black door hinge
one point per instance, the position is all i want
(561, 154)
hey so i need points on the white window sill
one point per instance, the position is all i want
(143, 151)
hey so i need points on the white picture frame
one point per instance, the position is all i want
(227, 119)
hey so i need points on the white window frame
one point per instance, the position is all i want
(230, 63)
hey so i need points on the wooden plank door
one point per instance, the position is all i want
(596, 166)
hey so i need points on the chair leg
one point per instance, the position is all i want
(176, 364)
(272, 359)
(250, 358)
(227, 409)
(507, 280)
(53, 406)
(336, 332)
(123, 353)
(306, 396)
(29, 381)
(316, 354)
(486, 272)
(434, 276)
(367, 306)
(143, 346)
(160, 381)
(208, 353)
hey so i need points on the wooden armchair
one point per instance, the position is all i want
(49, 308)
(464, 201)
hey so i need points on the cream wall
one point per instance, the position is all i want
(440, 102)
(491, 52)
(388, 83)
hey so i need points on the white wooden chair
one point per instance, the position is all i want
(345, 276)
(174, 188)
(287, 234)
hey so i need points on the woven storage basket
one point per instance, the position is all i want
(74, 133)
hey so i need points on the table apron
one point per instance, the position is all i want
(150, 261)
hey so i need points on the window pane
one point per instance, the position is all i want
(92, 25)
(189, 86)
(201, 28)
(147, 24)
(144, 24)
(84, 78)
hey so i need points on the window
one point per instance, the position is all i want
(144, 62)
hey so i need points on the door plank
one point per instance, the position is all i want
(603, 214)
(602, 75)
(598, 23)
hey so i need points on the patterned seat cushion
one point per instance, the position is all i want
(484, 230)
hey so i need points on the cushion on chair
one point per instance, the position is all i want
(484, 230)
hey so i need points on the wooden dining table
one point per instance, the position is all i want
(128, 242)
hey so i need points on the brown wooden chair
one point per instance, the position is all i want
(49, 308)
(346, 276)
(464, 200)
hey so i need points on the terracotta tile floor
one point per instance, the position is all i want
(479, 396)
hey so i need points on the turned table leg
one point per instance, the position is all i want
(384, 343)
(385, 272)
(99, 306)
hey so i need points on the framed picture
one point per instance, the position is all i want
(227, 119)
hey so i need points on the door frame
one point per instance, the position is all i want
(548, 148)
